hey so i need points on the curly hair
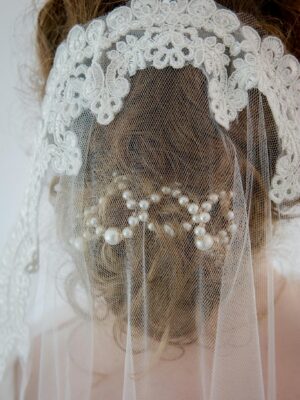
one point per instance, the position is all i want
(172, 290)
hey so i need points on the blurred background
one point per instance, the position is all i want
(18, 106)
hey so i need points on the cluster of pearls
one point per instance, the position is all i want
(199, 217)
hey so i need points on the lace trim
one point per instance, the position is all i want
(163, 33)
(154, 33)
(19, 259)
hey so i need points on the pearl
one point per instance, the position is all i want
(204, 217)
(199, 244)
(197, 218)
(115, 174)
(133, 221)
(57, 188)
(94, 209)
(101, 200)
(88, 222)
(122, 186)
(183, 200)
(86, 212)
(193, 208)
(208, 242)
(213, 197)
(93, 221)
(232, 228)
(223, 234)
(166, 190)
(99, 230)
(112, 236)
(143, 216)
(86, 235)
(131, 204)
(225, 240)
(169, 230)
(127, 195)
(127, 233)
(187, 226)
(206, 206)
(230, 215)
(223, 194)
(151, 227)
(155, 198)
(144, 204)
(176, 193)
(77, 243)
(199, 231)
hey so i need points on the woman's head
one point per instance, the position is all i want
(167, 135)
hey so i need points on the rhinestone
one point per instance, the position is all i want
(112, 236)
(193, 208)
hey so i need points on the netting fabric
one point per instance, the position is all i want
(167, 156)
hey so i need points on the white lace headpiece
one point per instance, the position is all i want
(92, 74)
(92, 67)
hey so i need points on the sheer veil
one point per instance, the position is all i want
(149, 258)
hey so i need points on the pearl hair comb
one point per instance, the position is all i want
(200, 215)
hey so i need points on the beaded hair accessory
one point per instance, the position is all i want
(200, 216)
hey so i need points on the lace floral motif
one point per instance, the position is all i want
(163, 33)
(19, 259)
(92, 70)
(277, 76)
